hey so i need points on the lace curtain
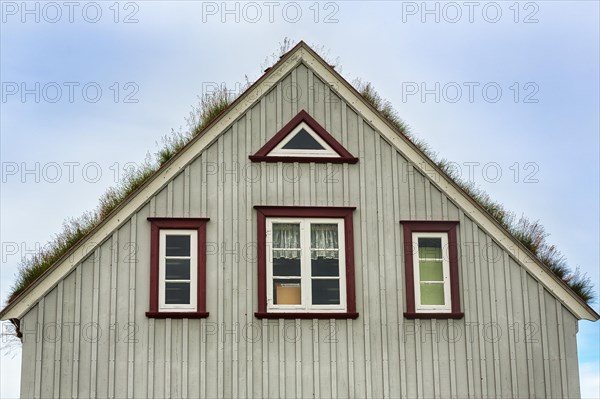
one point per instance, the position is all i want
(286, 240)
(323, 241)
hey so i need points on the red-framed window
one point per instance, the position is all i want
(177, 268)
(303, 140)
(305, 262)
(431, 270)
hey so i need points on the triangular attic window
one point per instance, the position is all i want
(303, 140)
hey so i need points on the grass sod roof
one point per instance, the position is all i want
(531, 234)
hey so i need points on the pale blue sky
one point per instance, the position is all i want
(550, 127)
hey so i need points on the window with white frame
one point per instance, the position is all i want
(305, 265)
(177, 268)
(432, 282)
(178, 256)
(431, 272)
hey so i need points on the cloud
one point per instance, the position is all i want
(589, 377)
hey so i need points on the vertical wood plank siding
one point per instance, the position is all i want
(89, 336)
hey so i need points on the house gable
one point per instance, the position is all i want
(109, 347)
(416, 161)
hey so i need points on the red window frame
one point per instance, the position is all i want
(263, 212)
(158, 224)
(449, 227)
(262, 155)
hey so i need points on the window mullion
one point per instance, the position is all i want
(305, 270)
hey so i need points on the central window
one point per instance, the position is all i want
(305, 262)
(303, 265)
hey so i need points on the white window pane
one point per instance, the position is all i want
(287, 292)
(326, 292)
(322, 267)
(177, 293)
(286, 267)
(177, 269)
(303, 141)
(431, 270)
(432, 294)
(430, 248)
(178, 245)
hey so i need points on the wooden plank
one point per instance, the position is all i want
(400, 202)
(510, 330)
(76, 334)
(121, 309)
(382, 216)
(218, 208)
(184, 358)
(138, 333)
(94, 343)
(249, 270)
(497, 389)
(67, 338)
(527, 321)
(151, 342)
(89, 330)
(366, 319)
(562, 355)
(481, 388)
(31, 334)
(113, 313)
(545, 343)
(316, 359)
(38, 349)
(60, 331)
(469, 302)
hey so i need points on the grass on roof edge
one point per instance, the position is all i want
(531, 234)
(73, 230)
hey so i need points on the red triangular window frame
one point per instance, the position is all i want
(262, 155)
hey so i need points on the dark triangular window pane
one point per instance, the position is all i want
(303, 141)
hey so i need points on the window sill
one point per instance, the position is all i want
(305, 315)
(452, 315)
(177, 315)
(302, 159)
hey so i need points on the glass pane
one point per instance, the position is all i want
(286, 267)
(177, 269)
(324, 242)
(326, 292)
(303, 141)
(432, 294)
(287, 292)
(178, 245)
(286, 235)
(430, 248)
(322, 267)
(177, 293)
(431, 270)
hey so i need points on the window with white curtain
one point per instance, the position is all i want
(305, 264)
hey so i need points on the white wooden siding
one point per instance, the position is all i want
(106, 346)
